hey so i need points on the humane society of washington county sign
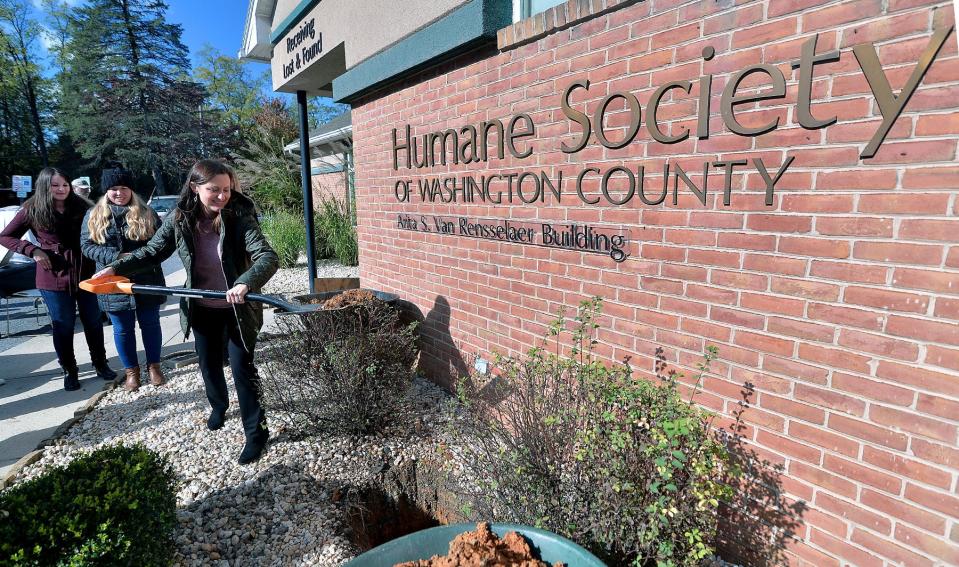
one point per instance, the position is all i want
(472, 144)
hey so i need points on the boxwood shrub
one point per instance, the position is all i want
(114, 506)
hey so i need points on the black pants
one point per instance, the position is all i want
(208, 331)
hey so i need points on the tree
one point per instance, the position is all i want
(272, 175)
(236, 93)
(17, 152)
(127, 94)
(321, 110)
(18, 34)
(57, 31)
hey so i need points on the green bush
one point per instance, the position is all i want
(115, 506)
(336, 233)
(623, 466)
(276, 194)
(287, 235)
(345, 371)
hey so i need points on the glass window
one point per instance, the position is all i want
(531, 7)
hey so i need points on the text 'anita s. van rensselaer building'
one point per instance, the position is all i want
(776, 178)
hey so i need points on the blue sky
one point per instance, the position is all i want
(217, 22)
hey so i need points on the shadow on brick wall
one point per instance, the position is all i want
(441, 359)
(758, 525)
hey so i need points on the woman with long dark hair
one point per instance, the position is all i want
(217, 235)
(55, 214)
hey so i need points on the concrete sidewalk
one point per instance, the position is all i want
(33, 403)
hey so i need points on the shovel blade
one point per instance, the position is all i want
(107, 284)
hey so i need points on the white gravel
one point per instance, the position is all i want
(294, 281)
(276, 511)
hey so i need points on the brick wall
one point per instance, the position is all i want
(839, 302)
(328, 186)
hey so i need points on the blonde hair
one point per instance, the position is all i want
(140, 221)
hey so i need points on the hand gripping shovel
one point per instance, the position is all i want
(120, 284)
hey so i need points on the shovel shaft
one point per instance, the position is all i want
(209, 294)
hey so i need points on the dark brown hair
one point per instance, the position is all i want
(188, 204)
(40, 210)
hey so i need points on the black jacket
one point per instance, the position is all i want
(247, 258)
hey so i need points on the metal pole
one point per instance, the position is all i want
(307, 186)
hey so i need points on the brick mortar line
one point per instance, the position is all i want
(946, 270)
(856, 239)
(765, 19)
(876, 358)
(463, 86)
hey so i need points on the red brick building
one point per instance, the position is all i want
(781, 178)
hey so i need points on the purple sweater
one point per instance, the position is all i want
(207, 263)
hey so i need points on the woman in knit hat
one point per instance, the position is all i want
(54, 214)
(119, 224)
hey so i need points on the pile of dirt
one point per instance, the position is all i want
(345, 299)
(481, 548)
(349, 297)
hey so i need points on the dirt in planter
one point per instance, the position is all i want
(349, 297)
(345, 299)
(481, 548)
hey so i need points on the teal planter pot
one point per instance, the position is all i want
(436, 541)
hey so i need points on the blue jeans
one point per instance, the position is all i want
(125, 333)
(62, 307)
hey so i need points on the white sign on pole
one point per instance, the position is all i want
(22, 184)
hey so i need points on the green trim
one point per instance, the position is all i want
(327, 169)
(471, 24)
(294, 18)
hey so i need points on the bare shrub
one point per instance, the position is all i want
(346, 371)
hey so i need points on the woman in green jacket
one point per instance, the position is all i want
(216, 233)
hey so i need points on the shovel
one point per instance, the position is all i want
(120, 284)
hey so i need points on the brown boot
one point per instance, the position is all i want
(132, 383)
(156, 374)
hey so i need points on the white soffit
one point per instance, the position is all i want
(256, 31)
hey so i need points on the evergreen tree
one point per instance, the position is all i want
(127, 94)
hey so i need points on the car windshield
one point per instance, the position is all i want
(163, 203)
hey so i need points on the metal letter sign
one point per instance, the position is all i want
(22, 184)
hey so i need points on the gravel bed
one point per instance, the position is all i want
(294, 281)
(280, 510)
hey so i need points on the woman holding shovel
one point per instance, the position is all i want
(216, 233)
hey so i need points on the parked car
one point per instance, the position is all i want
(163, 204)
(17, 272)
(8, 197)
